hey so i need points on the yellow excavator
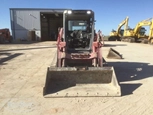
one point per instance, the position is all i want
(116, 34)
(138, 34)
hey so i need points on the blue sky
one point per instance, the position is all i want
(108, 13)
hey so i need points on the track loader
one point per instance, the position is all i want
(77, 69)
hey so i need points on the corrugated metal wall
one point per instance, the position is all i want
(24, 20)
(27, 20)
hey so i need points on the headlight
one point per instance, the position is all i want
(88, 12)
(69, 12)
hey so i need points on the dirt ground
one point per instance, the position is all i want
(23, 72)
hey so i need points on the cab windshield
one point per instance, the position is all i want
(142, 31)
(77, 25)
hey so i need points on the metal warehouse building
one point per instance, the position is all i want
(36, 24)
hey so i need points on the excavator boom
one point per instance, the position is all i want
(142, 23)
(124, 22)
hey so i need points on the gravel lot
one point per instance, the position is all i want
(23, 72)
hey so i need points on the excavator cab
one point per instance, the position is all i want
(77, 68)
(142, 31)
(121, 32)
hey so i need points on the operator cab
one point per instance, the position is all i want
(121, 32)
(142, 31)
(79, 29)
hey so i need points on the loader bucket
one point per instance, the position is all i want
(74, 82)
(113, 54)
